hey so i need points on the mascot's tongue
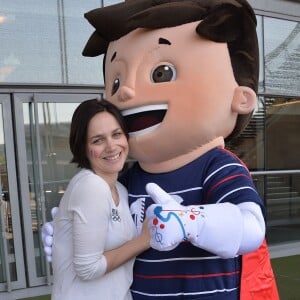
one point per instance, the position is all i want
(145, 119)
(139, 123)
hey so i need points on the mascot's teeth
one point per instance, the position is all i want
(143, 119)
(136, 110)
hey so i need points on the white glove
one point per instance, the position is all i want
(224, 229)
(47, 235)
(169, 222)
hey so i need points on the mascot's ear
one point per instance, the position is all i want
(244, 100)
(223, 23)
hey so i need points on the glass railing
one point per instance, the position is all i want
(281, 193)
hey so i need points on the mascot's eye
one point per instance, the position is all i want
(115, 86)
(163, 73)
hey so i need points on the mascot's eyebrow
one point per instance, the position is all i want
(160, 41)
(164, 41)
(113, 56)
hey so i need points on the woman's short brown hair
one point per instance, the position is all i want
(79, 125)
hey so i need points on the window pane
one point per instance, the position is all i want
(282, 59)
(53, 140)
(282, 134)
(42, 41)
(80, 69)
(8, 271)
(282, 196)
(30, 48)
(259, 31)
(110, 2)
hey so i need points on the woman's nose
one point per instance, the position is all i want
(110, 143)
(126, 93)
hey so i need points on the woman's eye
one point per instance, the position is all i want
(117, 134)
(97, 141)
(115, 86)
(163, 73)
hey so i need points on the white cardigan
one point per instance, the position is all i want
(87, 224)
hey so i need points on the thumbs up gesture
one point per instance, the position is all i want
(169, 222)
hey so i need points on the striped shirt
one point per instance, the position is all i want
(188, 272)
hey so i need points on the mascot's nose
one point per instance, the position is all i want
(125, 93)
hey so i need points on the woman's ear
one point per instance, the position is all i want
(244, 100)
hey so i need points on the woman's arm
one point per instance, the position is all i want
(129, 250)
(92, 214)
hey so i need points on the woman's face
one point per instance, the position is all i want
(107, 145)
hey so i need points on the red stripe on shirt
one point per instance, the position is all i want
(222, 181)
(234, 155)
(184, 276)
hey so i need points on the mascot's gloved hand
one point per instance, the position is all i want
(224, 229)
(169, 222)
(47, 235)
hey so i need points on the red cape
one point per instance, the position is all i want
(257, 280)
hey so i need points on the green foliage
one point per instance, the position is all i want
(287, 273)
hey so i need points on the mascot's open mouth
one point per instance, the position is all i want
(143, 119)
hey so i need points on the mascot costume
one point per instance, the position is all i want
(185, 74)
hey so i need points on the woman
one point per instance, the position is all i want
(95, 240)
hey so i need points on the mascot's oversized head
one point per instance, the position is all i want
(184, 73)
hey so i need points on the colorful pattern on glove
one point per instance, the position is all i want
(172, 226)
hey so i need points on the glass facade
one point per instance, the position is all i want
(48, 163)
(7, 246)
(41, 44)
(270, 143)
(281, 57)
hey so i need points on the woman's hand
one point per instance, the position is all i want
(145, 235)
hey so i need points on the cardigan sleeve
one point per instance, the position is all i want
(90, 206)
